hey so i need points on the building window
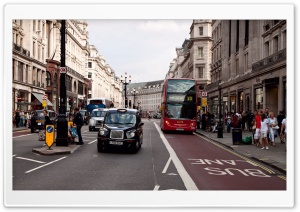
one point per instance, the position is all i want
(89, 74)
(259, 98)
(283, 39)
(237, 67)
(90, 64)
(39, 52)
(247, 33)
(20, 71)
(33, 52)
(200, 72)
(200, 52)
(33, 25)
(48, 79)
(266, 49)
(237, 35)
(246, 62)
(55, 80)
(275, 44)
(200, 30)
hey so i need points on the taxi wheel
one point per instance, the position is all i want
(100, 148)
(136, 147)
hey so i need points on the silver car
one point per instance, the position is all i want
(96, 118)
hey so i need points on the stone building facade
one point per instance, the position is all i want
(147, 97)
(252, 66)
(36, 65)
(240, 64)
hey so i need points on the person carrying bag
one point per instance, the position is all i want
(78, 120)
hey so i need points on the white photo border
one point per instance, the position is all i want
(148, 198)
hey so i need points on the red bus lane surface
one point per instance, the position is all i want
(214, 167)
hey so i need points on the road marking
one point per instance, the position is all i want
(235, 153)
(21, 136)
(92, 141)
(186, 178)
(156, 188)
(44, 165)
(30, 160)
(167, 165)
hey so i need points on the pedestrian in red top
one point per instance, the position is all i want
(257, 128)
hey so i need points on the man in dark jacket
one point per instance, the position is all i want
(78, 120)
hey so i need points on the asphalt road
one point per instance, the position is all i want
(172, 161)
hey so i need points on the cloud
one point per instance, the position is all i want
(142, 48)
(160, 26)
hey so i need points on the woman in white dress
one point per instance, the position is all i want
(264, 131)
(273, 124)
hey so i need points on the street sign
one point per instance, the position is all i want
(63, 70)
(204, 94)
(204, 102)
(44, 103)
(50, 134)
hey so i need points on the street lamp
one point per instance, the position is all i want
(220, 127)
(125, 82)
(139, 103)
(62, 124)
(134, 93)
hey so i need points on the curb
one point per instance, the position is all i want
(254, 158)
(56, 150)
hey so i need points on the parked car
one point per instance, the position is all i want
(37, 119)
(85, 116)
(96, 118)
(157, 115)
(121, 128)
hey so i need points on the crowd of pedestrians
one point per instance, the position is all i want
(263, 125)
(21, 118)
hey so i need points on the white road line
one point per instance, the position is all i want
(22, 136)
(30, 160)
(186, 178)
(156, 188)
(44, 165)
(167, 166)
(92, 141)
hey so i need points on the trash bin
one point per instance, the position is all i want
(237, 136)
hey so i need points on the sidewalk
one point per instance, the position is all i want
(275, 156)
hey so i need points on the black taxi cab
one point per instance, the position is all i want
(121, 127)
(38, 119)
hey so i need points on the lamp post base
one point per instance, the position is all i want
(220, 131)
(62, 131)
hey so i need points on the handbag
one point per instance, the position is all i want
(275, 128)
(41, 135)
(73, 132)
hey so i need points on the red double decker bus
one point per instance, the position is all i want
(179, 105)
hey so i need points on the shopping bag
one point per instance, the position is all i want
(41, 135)
(73, 132)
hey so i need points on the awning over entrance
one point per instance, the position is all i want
(40, 98)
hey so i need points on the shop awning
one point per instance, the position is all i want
(40, 98)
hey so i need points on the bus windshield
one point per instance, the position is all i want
(181, 99)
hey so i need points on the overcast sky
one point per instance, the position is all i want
(142, 48)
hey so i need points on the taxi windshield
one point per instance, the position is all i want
(120, 118)
(98, 114)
